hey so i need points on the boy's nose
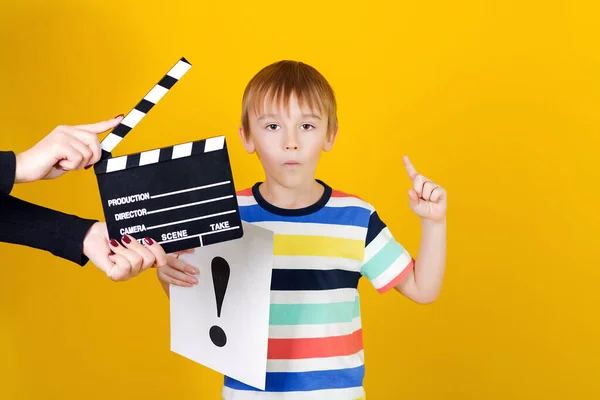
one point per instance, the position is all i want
(291, 141)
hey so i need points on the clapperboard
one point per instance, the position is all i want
(182, 196)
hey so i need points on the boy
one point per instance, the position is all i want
(325, 241)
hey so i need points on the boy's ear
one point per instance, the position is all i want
(330, 139)
(246, 140)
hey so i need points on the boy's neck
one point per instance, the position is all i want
(301, 196)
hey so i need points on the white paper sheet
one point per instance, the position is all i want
(244, 317)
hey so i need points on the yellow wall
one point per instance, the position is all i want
(498, 101)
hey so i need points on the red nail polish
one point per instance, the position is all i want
(88, 167)
(126, 239)
(148, 241)
(114, 243)
(118, 116)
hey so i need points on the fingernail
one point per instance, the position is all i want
(192, 270)
(149, 241)
(194, 281)
(88, 167)
(114, 243)
(118, 116)
(126, 239)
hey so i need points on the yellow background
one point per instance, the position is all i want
(497, 100)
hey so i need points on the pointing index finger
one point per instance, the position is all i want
(103, 126)
(410, 169)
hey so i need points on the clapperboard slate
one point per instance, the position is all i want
(182, 196)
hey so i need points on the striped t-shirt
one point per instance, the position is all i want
(315, 348)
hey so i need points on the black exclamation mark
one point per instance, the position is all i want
(220, 273)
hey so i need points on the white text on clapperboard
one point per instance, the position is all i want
(141, 212)
(128, 199)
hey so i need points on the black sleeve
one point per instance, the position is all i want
(36, 226)
(42, 228)
(8, 165)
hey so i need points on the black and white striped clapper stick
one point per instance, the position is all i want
(181, 196)
(144, 106)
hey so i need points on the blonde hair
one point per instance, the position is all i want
(279, 81)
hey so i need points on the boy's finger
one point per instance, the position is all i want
(159, 253)
(148, 258)
(436, 194)
(178, 275)
(419, 183)
(413, 197)
(182, 265)
(410, 169)
(178, 253)
(427, 189)
(176, 282)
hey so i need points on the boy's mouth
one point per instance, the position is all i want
(291, 163)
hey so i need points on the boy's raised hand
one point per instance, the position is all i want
(427, 199)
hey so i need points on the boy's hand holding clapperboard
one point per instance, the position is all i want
(182, 196)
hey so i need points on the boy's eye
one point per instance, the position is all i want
(307, 127)
(272, 127)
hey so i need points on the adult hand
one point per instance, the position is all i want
(66, 148)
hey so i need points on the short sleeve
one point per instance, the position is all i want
(385, 262)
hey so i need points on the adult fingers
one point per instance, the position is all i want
(102, 126)
(121, 268)
(131, 256)
(148, 258)
(157, 251)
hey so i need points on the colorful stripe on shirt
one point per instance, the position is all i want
(315, 347)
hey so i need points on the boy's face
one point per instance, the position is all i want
(288, 145)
